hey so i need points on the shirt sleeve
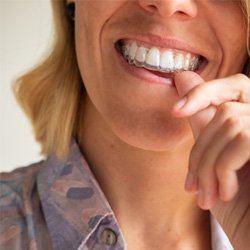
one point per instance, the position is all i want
(16, 209)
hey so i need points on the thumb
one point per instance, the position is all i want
(185, 82)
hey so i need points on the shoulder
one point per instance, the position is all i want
(19, 175)
(17, 195)
(16, 184)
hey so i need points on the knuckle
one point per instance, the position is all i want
(232, 122)
(244, 87)
(232, 125)
(202, 89)
(198, 90)
(243, 136)
(225, 110)
(242, 77)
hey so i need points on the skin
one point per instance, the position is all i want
(219, 168)
(142, 142)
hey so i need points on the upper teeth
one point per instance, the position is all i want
(168, 60)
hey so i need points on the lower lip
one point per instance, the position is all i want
(144, 74)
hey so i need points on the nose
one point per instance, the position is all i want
(182, 9)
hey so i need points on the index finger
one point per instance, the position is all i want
(212, 93)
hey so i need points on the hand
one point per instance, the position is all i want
(219, 169)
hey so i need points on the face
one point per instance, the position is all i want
(158, 38)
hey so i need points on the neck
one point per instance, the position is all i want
(145, 185)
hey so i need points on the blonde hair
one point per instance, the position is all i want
(52, 93)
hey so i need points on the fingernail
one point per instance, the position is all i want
(180, 104)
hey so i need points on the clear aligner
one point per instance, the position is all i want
(193, 63)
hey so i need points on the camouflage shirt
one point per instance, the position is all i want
(59, 205)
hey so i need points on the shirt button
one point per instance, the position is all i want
(108, 236)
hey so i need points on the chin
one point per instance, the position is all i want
(158, 140)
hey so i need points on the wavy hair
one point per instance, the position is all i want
(52, 93)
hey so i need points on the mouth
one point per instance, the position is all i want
(161, 62)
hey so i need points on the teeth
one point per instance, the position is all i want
(168, 61)
(187, 61)
(153, 57)
(132, 50)
(140, 56)
(178, 62)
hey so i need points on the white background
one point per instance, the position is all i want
(25, 34)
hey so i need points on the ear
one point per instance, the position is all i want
(70, 9)
(69, 1)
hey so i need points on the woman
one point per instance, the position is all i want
(145, 93)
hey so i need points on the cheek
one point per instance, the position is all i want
(91, 22)
(91, 19)
(235, 51)
(87, 30)
(232, 34)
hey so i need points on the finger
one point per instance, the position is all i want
(214, 138)
(220, 131)
(208, 195)
(212, 93)
(230, 123)
(207, 156)
(200, 120)
(185, 81)
(233, 157)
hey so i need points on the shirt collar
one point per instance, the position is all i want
(220, 240)
(75, 206)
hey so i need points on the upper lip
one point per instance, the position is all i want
(164, 42)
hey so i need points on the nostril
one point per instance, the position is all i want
(180, 13)
(152, 8)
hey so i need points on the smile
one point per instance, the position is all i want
(162, 60)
